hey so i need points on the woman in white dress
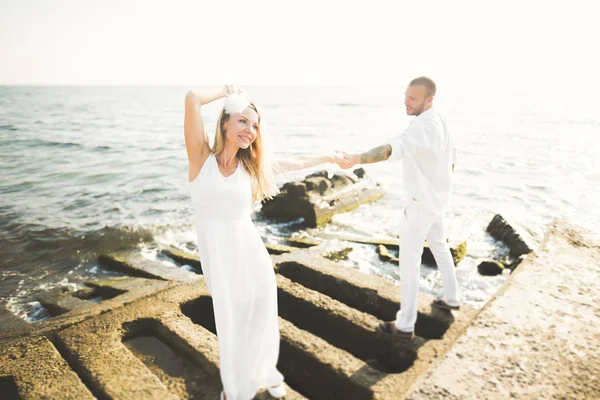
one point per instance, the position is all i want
(224, 183)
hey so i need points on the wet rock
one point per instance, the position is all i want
(458, 254)
(338, 255)
(359, 172)
(303, 242)
(490, 268)
(515, 263)
(318, 184)
(385, 255)
(501, 230)
(340, 181)
(295, 189)
(321, 174)
(318, 198)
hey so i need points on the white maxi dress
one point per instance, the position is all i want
(241, 280)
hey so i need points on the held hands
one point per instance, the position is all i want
(350, 160)
(339, 159)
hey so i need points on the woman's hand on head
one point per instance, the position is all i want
(232, 89)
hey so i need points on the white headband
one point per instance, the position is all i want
(235, 103)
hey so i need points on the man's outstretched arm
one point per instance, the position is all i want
(376, 154)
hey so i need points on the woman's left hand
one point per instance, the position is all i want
(339, 159)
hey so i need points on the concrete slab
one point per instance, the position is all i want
(134, 264)
(38, 371)
(157, 338)
(9, 321)
(183, 257)
(61, 300)
(538, 338)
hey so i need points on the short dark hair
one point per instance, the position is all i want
(427, 82)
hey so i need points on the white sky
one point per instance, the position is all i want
(525, 43)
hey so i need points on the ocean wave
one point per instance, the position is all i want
(26, 244)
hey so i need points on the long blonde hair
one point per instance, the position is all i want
(257, 159)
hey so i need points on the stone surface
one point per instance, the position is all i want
(184, 258)
(318, 198)
(490, 268)
(538, 338)
(39, 371)
(135, 265)
(501, 230)
(338, 255)
(156, 338)
(458, 254)
(9, 321)
(276, 249)
(60, 300)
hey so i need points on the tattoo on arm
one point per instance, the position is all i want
(376, 154)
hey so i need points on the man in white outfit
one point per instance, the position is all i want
(428, 154)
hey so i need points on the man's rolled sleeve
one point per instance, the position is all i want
(402, 146)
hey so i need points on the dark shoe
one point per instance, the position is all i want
(442, 305)
(390, 329)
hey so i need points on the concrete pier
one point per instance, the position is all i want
(538, 338)
(152, 334)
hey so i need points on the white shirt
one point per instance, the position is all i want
(427, 151)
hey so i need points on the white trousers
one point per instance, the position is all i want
(416, 226)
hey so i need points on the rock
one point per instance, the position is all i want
(340, 181)
(490, 268)
(458, 254)
(515, 263)
(360, 172)
(318, 184)
(385, 255)
(317, 199)
(320, 174)
(295, 189)
(501, 230)
(338, 255)
(303, 242)
(427, 257)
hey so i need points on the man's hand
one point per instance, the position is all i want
(351, 159)
(339, 158)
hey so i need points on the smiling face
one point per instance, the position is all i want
(243, 128)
